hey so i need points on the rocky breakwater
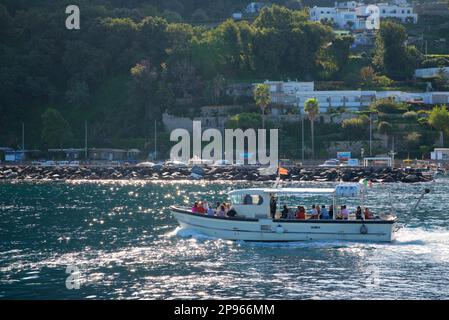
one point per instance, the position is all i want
(12, 173)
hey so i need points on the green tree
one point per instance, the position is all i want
(439, 119)
(312, 108)
(385, 128)
(355, 128)
(388, 106)
(392, 55)
(244, 121)
(262, 98)
(55, 129)
(413, 141)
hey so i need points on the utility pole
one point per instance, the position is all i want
(155, 139)
(85, 140)
(370, 135)
(23, 142)
(392, 153)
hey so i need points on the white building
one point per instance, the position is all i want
(431, 72)
(353, 15)
(359, 99)
(402, 12)
(441, 154)
(254, 7)
(296, 93)
(284, 93)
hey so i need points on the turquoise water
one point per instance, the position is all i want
(126, 245)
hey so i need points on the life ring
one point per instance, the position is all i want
(363, 229)
(279, 229)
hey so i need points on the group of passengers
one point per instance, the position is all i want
(219, 210)
(321, 212)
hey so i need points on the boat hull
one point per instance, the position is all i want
(271, 230)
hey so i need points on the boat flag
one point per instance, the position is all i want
(364, 182)
(283, 171)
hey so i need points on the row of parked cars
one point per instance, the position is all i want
(51, 163)
(180, 164)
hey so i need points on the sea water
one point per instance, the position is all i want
(123, 243)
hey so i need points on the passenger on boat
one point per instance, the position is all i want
(358, 213)
(221, 212)
(324, 213)
(331, 211)
(195, 207)
(248, 200)
(344, 213)
(313, 212)
(284, 212)
(200, 208)
(232, 212)
(368, 214)
(210, 211)
(273, 205)
(301, 213)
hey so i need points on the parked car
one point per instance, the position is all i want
(175, 163)
(48, 163)
(147, 164)
(221, 163)
(330, 163)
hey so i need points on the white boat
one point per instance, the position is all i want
(254, 222)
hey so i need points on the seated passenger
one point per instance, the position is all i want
(221, 212)
(284, 212)
(344, 213)
(313, 212)
(358, 213)
(232, 212)
(368, 214)
(200, 208)
(324, 213)
(331, 211)
(195, 207)
(210, 211)
(248, 199)
(301, 213)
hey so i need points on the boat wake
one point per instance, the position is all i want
(189, 233)
(406, 237)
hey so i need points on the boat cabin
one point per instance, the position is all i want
(256, 202)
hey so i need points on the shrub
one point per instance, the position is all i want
(388, 106)
(410, 115)
(385, 127)
(382, 81)
(354, 128)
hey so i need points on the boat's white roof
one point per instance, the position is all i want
(288, 190)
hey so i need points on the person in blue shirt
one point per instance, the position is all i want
(324, 213)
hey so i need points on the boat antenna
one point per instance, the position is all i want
(426, 190)
(278, 179)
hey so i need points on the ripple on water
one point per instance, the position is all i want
(128, 246)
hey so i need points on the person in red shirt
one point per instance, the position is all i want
(201, 208)
(301, 213)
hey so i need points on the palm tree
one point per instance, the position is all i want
(262, 98)
(312, 108)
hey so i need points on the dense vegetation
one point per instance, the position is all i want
(121, 73)
(134, 59)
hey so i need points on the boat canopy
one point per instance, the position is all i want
(344, 189)
(290, 191)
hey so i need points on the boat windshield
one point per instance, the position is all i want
(246, 199)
